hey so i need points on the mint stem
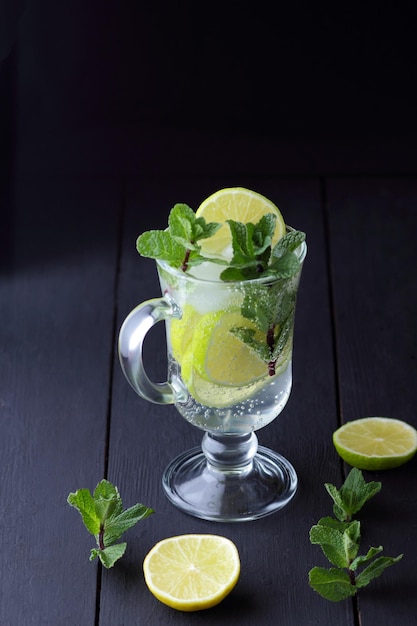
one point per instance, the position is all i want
(101, 537)
(184, 265)
(270, 344)
(271, 368)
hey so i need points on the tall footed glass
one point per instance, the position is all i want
(229, 374)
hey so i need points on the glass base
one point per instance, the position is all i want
(261, 486)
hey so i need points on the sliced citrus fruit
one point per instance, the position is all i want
(375, 443)
(221, 357)
(182, 330)
(218, 368)
(192, 572)
(216, 396)
(241, 205)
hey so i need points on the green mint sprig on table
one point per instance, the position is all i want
(104, 517)
(339, 540)
(178, 245)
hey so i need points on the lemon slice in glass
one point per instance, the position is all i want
(182, 330)
(218, 368)
(213, 395)
(241, 205)
(221, 357)
(192, 572)
(375, 443)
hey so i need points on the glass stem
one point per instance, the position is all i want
(231, 452)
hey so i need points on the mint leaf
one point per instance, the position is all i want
(107, 501)
(178, 245)
(83, 501)
(353, 494)
(243, 247)
(106, 490)
(269, 306)
(375, 569)
(118, 524)
(251, 249)
(263, 233)
(351, 540)
(285, 266)
(360, 560)
(159, 244)
(253, 240)
(248, 336)
(331, 542)
(338, 506)
(288, 243)
(180, 224)
(339, 540)
(187, 228)
(234, 274)
(284, 261)
(330, 522)
(109, 555)
(104, 517)
(281, 337)
(340, 544)
(332, 584)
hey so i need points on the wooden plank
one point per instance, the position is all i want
(275, 551)
(57, 307)
(373, 226)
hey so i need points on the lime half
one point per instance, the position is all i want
(376, 443)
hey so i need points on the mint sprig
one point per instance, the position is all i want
(104, 517)
(178, 245)
(270, 307)
(339, 540)
(353, 494)
(253, 254)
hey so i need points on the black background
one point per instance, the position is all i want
(276, 70)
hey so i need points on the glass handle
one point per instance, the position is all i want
(131, 337)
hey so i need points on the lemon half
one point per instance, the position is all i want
(238, 204)
(192, 572)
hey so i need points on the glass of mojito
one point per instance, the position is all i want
(229, 330)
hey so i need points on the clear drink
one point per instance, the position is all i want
(260, 403)
(222, 383)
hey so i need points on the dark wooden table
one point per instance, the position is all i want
(68, 418)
